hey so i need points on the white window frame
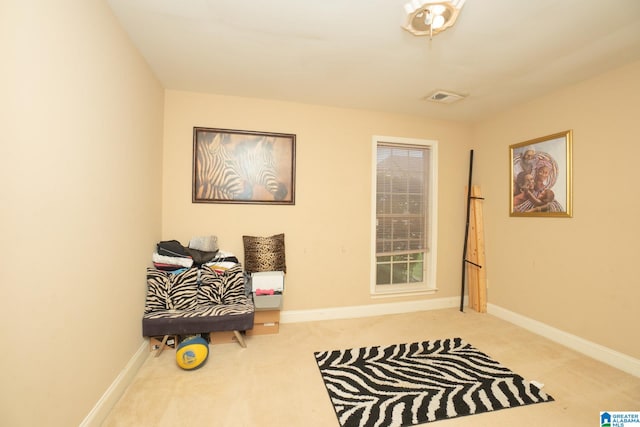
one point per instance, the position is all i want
(430, 261)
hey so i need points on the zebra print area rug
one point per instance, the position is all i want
(409, 384)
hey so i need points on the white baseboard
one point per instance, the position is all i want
(117, 388)
(355, 311)
(606, 355)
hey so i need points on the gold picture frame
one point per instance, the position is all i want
(541, 174)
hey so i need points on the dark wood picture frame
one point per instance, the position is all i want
(239, 166)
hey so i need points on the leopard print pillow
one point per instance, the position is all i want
(264, 253)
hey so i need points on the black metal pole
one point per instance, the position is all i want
(466, 232)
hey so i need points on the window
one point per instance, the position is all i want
(404, 215)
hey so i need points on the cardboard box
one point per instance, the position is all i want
(265, 322)
(269, 316)
(222, 337)
(264, 329)
(267, 280)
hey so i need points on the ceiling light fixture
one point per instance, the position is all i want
(430, 17)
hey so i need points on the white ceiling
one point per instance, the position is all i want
(354, 53)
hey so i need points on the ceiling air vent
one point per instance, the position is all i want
(444, 97)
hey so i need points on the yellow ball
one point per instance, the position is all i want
(192, 353)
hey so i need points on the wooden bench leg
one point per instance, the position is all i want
(240, 339)
(164, 341)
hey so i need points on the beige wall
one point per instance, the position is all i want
(81, 133)
(81, 144)
(578, 275)
(327, 232)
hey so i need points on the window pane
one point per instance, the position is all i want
(401, 273)
(400, 183)
(400, 245)
(416, 184)
(416, 272)
(415, 245)
(383, 274)
(416, 228)
(416, 234)
(400, 229)
(400, 258)
(382, 204)
(415, 204)
(402, 207)
(399, 203)
(383, 182)
(384, 228)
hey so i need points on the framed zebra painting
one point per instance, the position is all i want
(239, 166)
(541, 176)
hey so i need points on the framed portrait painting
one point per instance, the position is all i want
(238, 166)
(541, 176)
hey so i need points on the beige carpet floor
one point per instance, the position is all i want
(275, 380)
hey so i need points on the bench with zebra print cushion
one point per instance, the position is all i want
(197, 301)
